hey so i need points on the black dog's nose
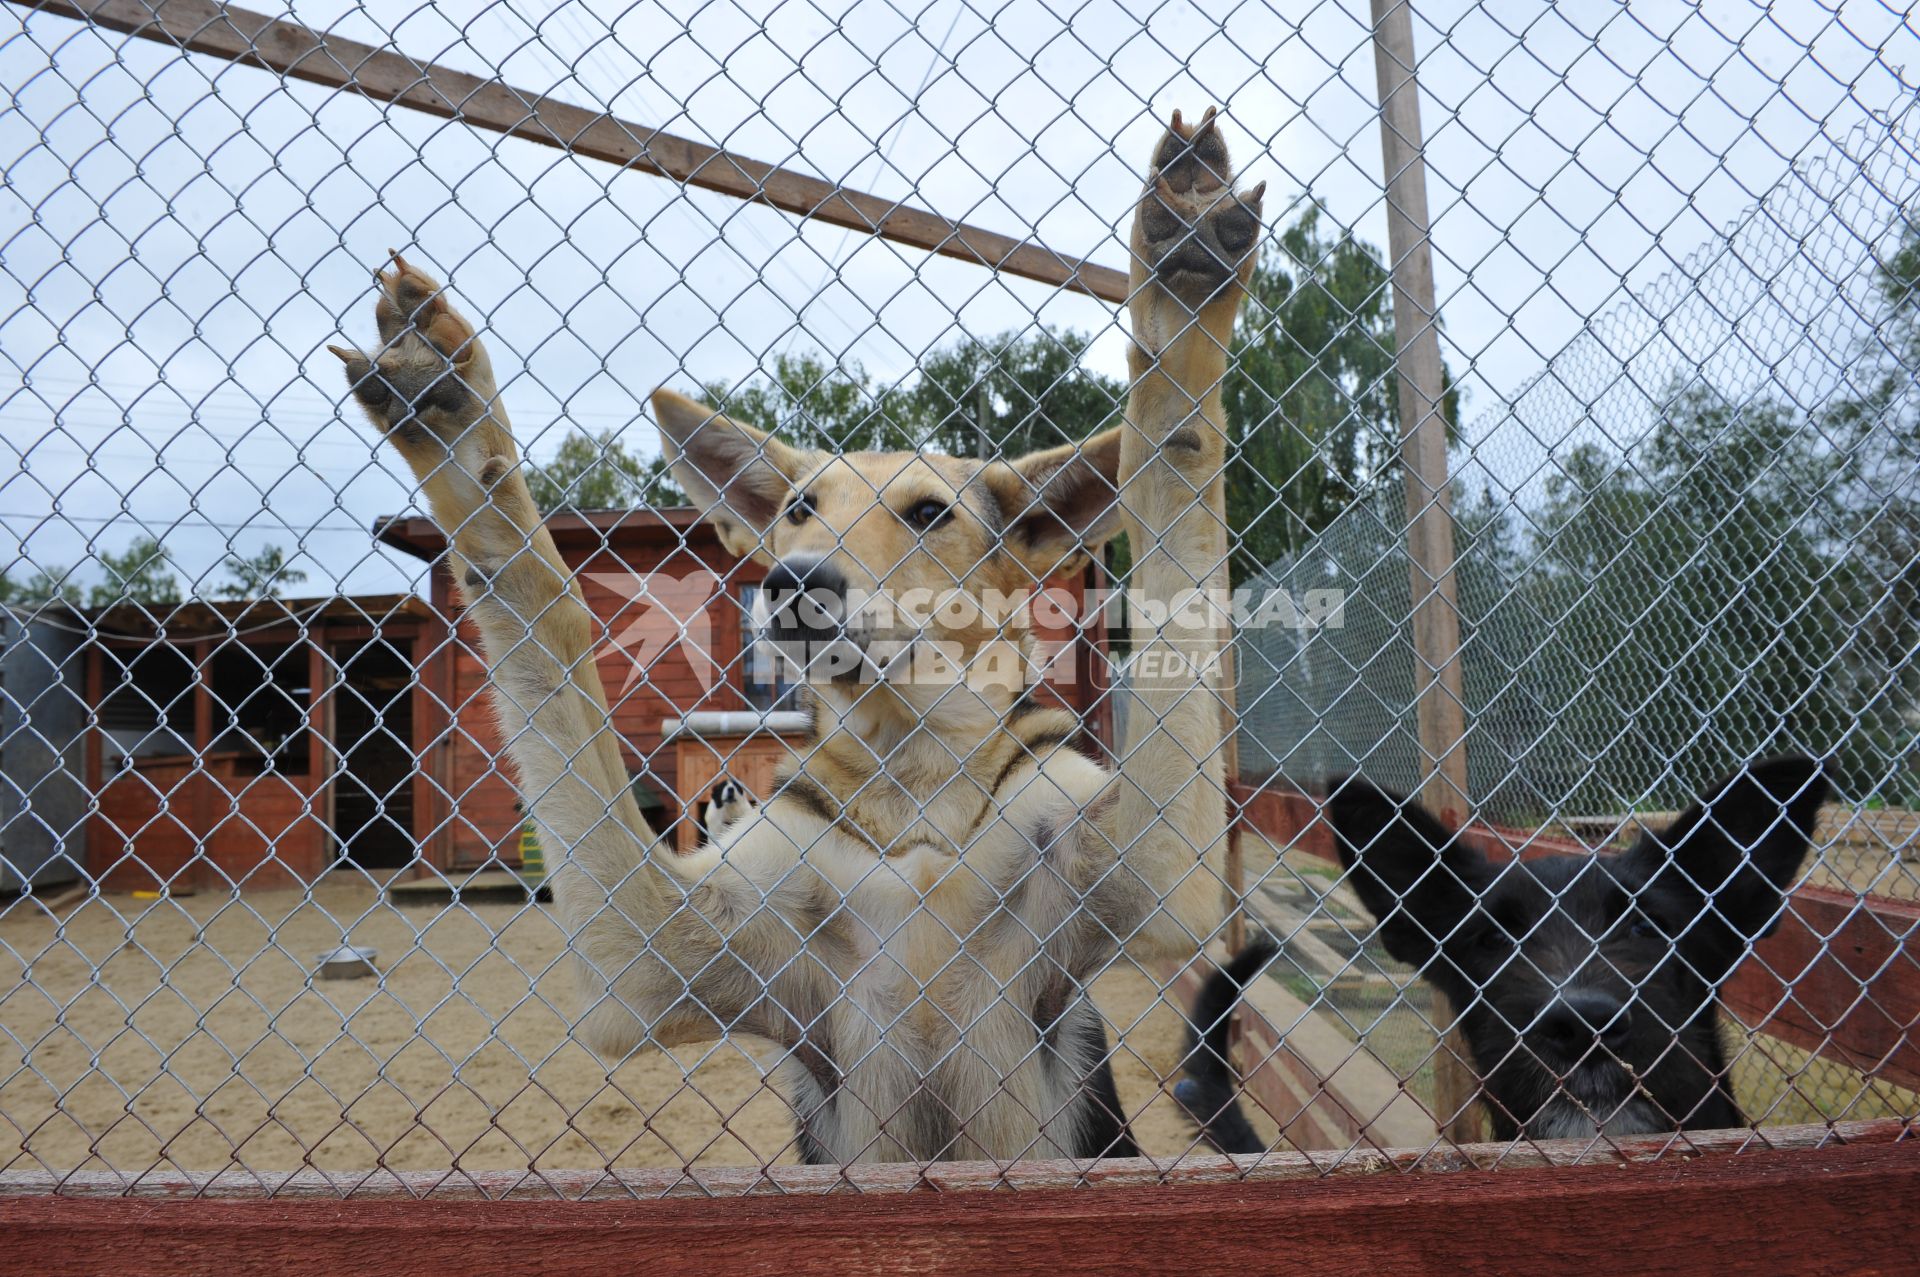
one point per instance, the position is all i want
(1578, 1017)
(806, 601)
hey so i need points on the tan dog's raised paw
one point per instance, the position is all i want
(430, 387)
(1194, 237)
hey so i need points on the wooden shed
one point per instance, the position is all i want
(258, 743)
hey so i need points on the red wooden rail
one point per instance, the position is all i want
(1806, 1199)
(1840, 977)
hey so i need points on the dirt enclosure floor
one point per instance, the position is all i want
(185, 1034)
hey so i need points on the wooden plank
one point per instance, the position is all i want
(386, 75)
(1839, 978)
(163, 1182)
(1289, 927)
(1439, 703)
(1322, 1090)
(1351, 1095)
(1843, 1208)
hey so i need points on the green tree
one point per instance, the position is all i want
(138, 574)
(45, 586)
(1311, 399)
(1688, 594)
(811, 403)
(1008, 395)
(596, 472)
(263, 576)
(1877, 432)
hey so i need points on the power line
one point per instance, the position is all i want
(835, 261)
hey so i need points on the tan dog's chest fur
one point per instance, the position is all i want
(914, 915)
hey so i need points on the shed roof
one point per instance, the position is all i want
(421, 537)
(197, 618)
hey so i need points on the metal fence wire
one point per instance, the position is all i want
(1457, 564)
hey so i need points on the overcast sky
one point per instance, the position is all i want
(180, 237)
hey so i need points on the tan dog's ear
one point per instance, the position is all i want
(741, 478)
(1062, 503)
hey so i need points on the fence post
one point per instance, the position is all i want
(1439, 706)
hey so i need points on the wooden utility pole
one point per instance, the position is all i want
(1438, 703)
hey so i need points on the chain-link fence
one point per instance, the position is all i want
(826, 758)
(1758, 381)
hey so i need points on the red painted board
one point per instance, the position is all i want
(1838, 1209)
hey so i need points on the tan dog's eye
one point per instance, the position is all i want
(929, 514)
(800, 509)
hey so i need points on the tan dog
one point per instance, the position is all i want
(914, 914)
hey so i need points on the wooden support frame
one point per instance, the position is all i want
(386, 75)
(1439, 699)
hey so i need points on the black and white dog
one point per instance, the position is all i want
(1587, 984)
(728, 803)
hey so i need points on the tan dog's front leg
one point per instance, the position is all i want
(1193, 250)
(430, 390)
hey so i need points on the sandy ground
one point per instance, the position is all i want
(186, 1033)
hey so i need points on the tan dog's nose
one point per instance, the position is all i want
(806, 601)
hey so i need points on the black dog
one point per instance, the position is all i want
(1587, 984)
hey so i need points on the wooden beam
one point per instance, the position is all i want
(1834, 1208)
(383, 74)
(1308, 1077)
(879, 1179)
(1840, 977)
(1439, 703)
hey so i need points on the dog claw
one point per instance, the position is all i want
(423, 340)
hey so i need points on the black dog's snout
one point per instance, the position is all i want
(806, 601)
(1579, 1017)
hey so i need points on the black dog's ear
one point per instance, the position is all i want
(1413, 874)
(1729, 859)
